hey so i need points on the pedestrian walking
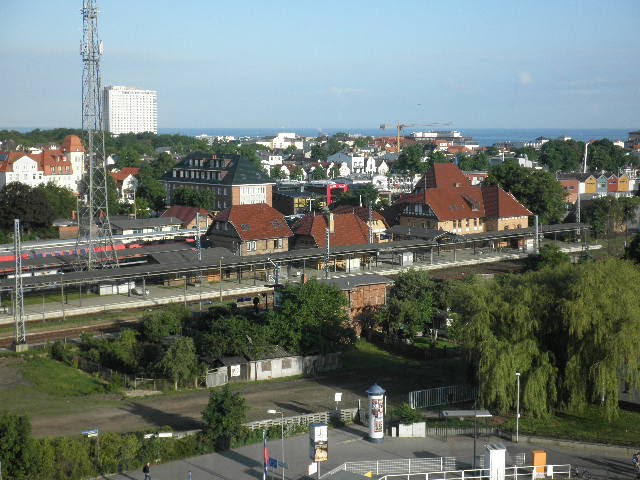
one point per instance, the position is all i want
(147, 471)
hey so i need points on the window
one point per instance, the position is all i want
(266, 365)
(286, 363)
(251, 246)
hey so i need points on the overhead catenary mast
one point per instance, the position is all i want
(94, 247)
(18, 300)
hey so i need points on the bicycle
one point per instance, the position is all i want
(579, 472)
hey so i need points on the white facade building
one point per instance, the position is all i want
(282, 141)
(61, 166)
(130, 110)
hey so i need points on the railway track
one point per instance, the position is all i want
(71, 332)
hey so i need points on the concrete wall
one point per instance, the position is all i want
(291, 366)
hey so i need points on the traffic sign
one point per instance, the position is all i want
(273, 463)
(283, 464)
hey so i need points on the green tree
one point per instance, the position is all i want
(164, 323)
(334, 171)
(179, 362)
(411, 160)
(410, 306)
(477, 162)
(561, 155)
(223, 417)
(312, 318)
(150, 188)
(34, 214)
(18, 449)
(232, 334)
(318, 153)
(277, 173)
(605, 156)
(549, 256)
(573, 331)
(318, 173)
(62, 200)
(632, 250)
(193, 197)
(128, 157)
(537, 190)
(297, 173)
(609, 214)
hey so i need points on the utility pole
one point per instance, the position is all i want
(198, 242)
(18, 304)
(518, 409)
(370, 224)
(327, 237)
(94, 246)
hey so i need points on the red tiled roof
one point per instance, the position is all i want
(185, 214)
(347, 227)
(442, 175)
(450, 196)
(500, 204)
(361, 212)
(255, 222)
(124, 173)
(47, 160)
(72, 143)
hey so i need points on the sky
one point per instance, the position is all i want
(333, 63)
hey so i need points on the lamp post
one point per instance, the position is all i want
(518, 409)
(220, 279)
(276, 412)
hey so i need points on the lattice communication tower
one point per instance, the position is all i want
(94, 247)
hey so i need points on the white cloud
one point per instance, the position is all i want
(525, 78)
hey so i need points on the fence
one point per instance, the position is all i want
(346, 415)
(434, 397)
(404, 466)
(445, 431)
(510, 473)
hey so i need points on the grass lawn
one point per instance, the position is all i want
(42, 386)
(588, 426)
(55, 378)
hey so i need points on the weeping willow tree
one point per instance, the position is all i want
(603, 319)
(573, 332)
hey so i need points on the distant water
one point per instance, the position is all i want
(484, 136)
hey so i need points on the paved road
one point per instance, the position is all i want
(348, 445)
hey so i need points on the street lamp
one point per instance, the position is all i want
(276, 412)
(518, 409)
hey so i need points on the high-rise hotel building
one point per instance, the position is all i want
(129, 110)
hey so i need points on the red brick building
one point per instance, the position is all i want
(250, 230)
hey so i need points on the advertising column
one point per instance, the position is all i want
(376, 413)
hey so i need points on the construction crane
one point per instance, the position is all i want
(401, 126)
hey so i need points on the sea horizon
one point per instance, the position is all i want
(484, 136)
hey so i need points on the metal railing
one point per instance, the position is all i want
(346, 415)
(433, 397)
(510, 473)
(402, 466)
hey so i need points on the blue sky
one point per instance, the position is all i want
(343, 63)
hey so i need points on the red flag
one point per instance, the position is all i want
(266, 455)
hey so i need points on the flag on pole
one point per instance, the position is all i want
(265, 460)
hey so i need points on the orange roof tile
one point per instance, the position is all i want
(500, 204)
(254, 222)
(72, 143)
(124, 173)
(348, 230)
(361, 212)
(185, 214)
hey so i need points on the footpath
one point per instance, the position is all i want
(348, 444)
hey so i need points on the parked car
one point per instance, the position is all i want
(140, 291)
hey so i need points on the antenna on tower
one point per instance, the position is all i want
(18, 302)
(94, 246)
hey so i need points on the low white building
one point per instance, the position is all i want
(282, 141)
(61, 166)
(127, 183)
(355, 163)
